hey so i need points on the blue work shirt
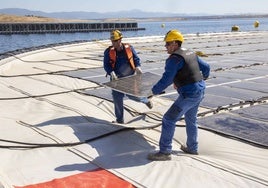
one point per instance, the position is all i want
(122, 66)
(172, 66)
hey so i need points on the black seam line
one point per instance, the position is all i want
(85, 88)
(44, 95)
(39, 131)
(49, 62)
(127, 128)
(232, 171)
(157, 118)
(213, 164)
(25, 145)
(262, 100)
(214, 111)
(67, 144)
(77, 69)
(23, 50)
(37, 74)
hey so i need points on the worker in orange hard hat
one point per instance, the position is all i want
(186, 71)
(121, 60)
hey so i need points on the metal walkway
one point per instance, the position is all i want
(29, 28)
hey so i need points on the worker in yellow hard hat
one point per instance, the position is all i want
(186, 71)
(121, 60)
(174, 35)
(116, 35)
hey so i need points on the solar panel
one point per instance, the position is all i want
(138, 85)
(246, 128)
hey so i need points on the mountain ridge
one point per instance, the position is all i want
(87, 15)
(113, 15)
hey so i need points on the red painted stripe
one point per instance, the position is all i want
(98, 178)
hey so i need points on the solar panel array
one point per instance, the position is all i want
(238, 79)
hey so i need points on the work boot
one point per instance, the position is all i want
(186, 150)
(120, 122)
(149, 104)
(159, 156)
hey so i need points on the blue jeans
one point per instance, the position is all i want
(187, 106)
(118, 98)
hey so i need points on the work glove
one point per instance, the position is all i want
(150, 94)
(205, 78)
(113, 76)
(138, 70)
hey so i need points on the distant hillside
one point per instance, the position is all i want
(89, 15)
(6, 18)
(135, 15)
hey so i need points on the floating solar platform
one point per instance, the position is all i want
(61, 98)
(241, 127)
(248, 85)
(257, 112)
(214, 101)
(235, 93)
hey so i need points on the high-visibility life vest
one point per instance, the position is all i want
(129, 54)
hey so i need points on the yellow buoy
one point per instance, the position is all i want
(235, 28)
(256, 24)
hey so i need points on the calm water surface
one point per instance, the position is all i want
(15, 42)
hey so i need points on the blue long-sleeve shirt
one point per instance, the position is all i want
(122, 66)
(172, 66)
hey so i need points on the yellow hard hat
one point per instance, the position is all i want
(116, 35)
(173, 35)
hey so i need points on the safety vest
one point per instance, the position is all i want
(129, 54)
(190, 72)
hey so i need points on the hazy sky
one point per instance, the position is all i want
(172, 6)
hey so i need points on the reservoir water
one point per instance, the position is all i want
(16, 42)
